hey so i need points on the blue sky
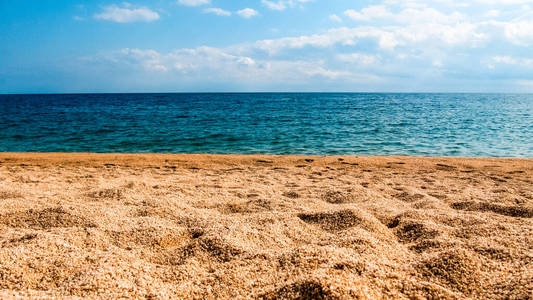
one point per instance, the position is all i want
(266, 45)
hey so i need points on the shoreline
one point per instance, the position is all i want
(185, 156)
(264, 226)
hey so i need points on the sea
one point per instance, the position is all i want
(466, 125)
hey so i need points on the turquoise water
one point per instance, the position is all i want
(292, 123)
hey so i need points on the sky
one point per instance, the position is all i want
(69, 46)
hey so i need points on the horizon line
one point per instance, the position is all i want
(254, 92)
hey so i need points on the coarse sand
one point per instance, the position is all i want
(187, 226)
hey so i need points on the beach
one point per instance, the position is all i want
(198, 226)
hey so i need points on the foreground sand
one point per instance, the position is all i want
(206, 226)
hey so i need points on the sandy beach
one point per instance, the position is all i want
(291, 227)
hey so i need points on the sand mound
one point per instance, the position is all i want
(336, 197)
(44, 219)
(258, 205)
(299, 290)
(264, 227)
(205, 248)
(456, 269)
(332, 221)
(410, 230)
(512, 211)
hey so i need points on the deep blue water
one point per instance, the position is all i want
(344, 123)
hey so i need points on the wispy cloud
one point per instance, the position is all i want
(335, 18)
(126, 14)
(247, 13)
(217, 11)
(193, 2)
(510, 60)
(282, 4)
(358, 58)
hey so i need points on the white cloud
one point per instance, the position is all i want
(359, 58)
(456, 3)
(405, 16)
(387, 38)
(510, 60)
(423, 29)
(193, 2)
(343, 36)
(220, 64)
(150, 60)
(368, 13)
(519, 33)
(126, 14)
(217, 11)
(335, 18)
(282, 4)
(504, 2)
(505, 60)
(247, 13)
(414, 42)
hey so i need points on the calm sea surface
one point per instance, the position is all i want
(366, 124)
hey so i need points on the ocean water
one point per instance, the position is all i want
(293, 123)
